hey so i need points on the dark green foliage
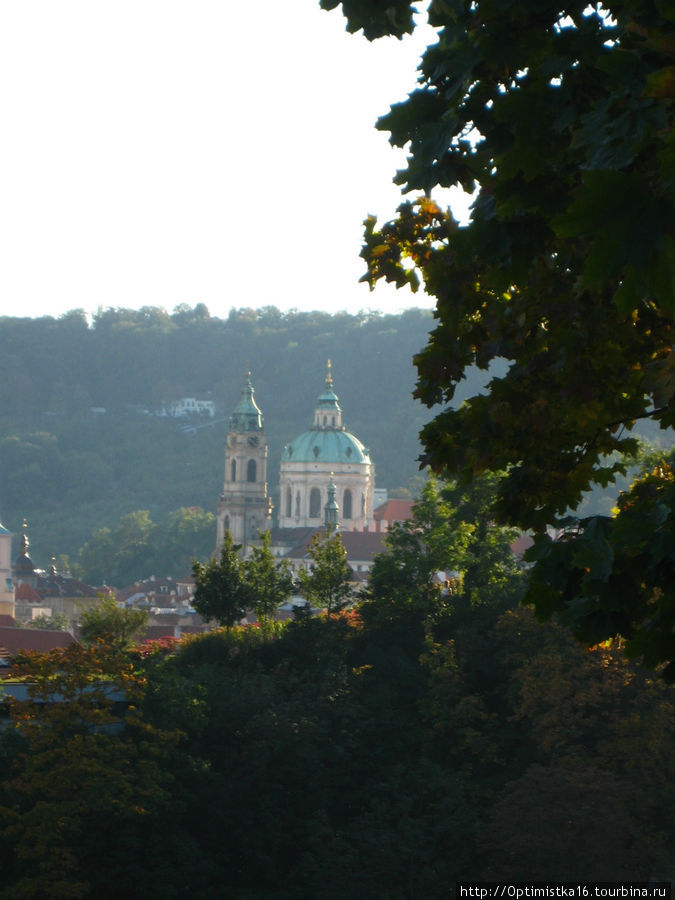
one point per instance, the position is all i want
(221, 592)
(564, 120)
(56, 622)
(607, 576)
(269, 580)
(326, 584)
(138, 547)
(450, 536)
(388, 755)
(114, 626)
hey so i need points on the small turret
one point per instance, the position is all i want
(24, 567)
(331, 510)
(328, 412)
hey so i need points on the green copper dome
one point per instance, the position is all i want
(327, 441)
(326, 445)
(246, 415)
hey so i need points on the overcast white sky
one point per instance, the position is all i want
(158, 152)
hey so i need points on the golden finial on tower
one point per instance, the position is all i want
(329, 377)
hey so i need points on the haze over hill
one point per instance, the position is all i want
(78, 448)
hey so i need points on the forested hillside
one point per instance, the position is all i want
(70, 470)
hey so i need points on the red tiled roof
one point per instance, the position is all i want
(40, 640)
(360, 545)
(27, 593)
(394, 511)
(152, 632)
(363, 545)
(292, 536)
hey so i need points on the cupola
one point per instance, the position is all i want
(246, 415)
(328, 412)
(331, 510)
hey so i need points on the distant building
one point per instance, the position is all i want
(188, 406)
(162, 593)
(51, 593)
(14, 639)
(392, 511)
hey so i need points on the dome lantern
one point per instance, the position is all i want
(328, 412)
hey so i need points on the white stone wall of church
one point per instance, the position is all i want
(359, 479)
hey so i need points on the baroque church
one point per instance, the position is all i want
(326, 477)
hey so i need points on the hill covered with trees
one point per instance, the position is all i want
(79, 451)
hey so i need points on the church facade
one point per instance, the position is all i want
(325, 467)
(323, 455)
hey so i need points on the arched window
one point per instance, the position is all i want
(347, 504)
(233, 470)
(250, 470)
(297, 505)
(289, 503)
(227, 523)
(324, 420)
(315, 503)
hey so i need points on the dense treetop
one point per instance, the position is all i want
(564, 120)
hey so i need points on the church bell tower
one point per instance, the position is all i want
(244, 507)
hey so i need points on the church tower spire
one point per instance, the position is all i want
(244, 507)
(328, 412)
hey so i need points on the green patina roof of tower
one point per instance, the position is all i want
(328, 399)
(326, 445)
(246, 415)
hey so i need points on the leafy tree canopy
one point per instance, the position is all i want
(326, 584)
(138, 547)
(450, 536)
(269, 580)
(220, 589)
(564, 120)
(114, 626)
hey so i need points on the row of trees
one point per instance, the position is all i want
(227, 587)
(389, 751)
(138, 547)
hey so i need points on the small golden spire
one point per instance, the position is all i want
(329, 377)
